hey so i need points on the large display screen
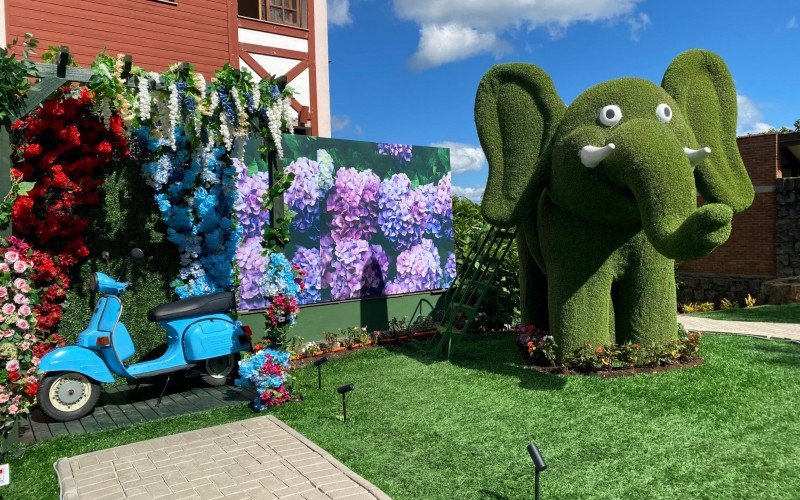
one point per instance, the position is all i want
(370, 219)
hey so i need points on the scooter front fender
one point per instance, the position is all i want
(73, 358)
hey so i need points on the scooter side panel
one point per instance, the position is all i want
(211, 336)
(76, 359)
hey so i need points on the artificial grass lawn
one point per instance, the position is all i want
(788, 313)
(423, 428)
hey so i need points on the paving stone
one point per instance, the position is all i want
(265, 459)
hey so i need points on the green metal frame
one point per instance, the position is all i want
(476, 276)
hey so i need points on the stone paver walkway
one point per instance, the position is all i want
(785, 331)
(256, 458)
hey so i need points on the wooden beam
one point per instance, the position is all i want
(248, 59)
(274, 51)
(296, 70)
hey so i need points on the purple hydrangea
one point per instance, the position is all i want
(303, 197)
(449, 271)
(308, 259)
(442, 216)
(251, 264)
(402, 152)
(357, 270)
(353, 204)
(418, 269)
(250, 194)
(404, 211)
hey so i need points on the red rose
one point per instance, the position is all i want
(31, 388)
(13, 376)
(32, 151)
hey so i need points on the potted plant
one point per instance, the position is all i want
(400, 328)
(423, 327)
(333, 342)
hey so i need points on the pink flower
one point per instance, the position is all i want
(12, 365)
(7, 333)
(20, 266)
(25, 345)
(3, 292)
(22, 285)
(9, 308)
(23, 325)
(4, 267)
(24, 310)
(11, 256)
(35, 361)
(4, 398)
(13, 409)
(20, 299)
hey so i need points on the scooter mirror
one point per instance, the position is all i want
(137, 254)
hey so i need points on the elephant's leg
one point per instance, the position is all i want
(580, 271)
(532, 283)
(644, 297)
(580, 308)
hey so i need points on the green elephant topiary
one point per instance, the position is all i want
(605, 192)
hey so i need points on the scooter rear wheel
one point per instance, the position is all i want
(216, 371)
(67, 396)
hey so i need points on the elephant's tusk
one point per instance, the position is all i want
(591, 156)
(697, 156)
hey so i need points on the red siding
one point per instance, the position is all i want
(156, 33)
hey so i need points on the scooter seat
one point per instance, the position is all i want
(194, 306)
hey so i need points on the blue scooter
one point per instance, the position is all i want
(200, 335)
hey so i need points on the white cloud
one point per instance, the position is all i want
(750, 119)
(441, 44)
(451, 30)
(463, 157)
(339, 122)
(792, 24)
(339, 12)
(638, 23)
(473, 193)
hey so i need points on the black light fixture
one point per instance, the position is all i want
(343, 390)
(318, 363)
(539, 465)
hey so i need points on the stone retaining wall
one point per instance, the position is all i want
(713, 287)
(787, 225)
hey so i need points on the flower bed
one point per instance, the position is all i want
(539, 349)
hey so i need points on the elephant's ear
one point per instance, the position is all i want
(700, 82)
(517, 110)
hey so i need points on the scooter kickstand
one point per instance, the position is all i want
(163, 391)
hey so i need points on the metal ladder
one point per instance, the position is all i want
(475, 277)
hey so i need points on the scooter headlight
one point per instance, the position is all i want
(93, 282)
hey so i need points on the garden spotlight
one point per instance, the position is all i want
(343, 390)
(538, 464)
(318, 363)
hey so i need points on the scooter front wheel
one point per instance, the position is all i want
(217, 370)
(67, 396)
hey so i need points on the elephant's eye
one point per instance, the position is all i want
(664, 113)
(610, 115)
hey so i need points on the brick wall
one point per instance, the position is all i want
(738, 266)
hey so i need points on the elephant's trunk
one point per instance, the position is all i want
(651, 162)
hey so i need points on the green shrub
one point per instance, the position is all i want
(501, 305)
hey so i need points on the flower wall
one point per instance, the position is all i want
(370, 220)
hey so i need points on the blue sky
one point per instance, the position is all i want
(406, 70)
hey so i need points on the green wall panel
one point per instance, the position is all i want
(314, 320)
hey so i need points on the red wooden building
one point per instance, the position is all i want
(266, 37)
